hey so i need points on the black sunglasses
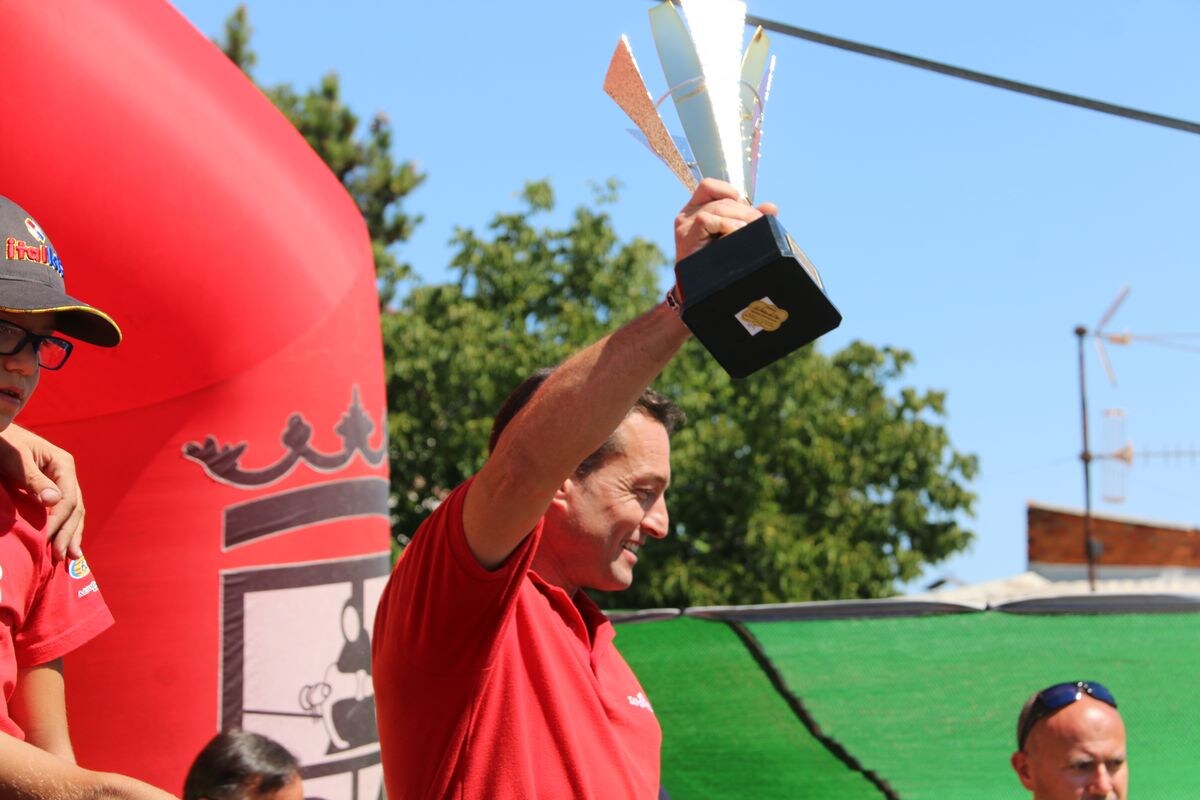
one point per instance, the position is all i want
(1056, 697)
(52, 351)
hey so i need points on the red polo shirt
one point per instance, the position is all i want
(495, 685)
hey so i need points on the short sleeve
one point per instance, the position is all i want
(442, 611)
(68, 610)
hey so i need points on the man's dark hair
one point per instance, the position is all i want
(653, 404)
(237, 764)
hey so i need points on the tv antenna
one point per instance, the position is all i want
(1119, 449)
(1119, 455)
(1091, 547)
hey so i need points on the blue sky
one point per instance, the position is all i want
(971, 226)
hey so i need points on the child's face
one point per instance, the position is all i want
(19, 371)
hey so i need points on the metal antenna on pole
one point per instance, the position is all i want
(1118, 456)
(1118, 449)
(1115, 339)
(1091, 547)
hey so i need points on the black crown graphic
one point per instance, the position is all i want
(223, 462)
(294, 509)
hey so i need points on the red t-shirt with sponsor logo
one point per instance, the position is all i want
(47, 608)
(497, 686)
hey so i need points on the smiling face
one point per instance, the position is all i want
(1077, 753)
(19, 371)
(597, 524)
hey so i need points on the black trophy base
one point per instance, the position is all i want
(750, 300)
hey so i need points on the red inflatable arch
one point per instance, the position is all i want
(231, 449)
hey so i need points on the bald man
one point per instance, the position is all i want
(1071, 744)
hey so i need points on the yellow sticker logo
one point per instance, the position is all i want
(764, 315)
(78, 568)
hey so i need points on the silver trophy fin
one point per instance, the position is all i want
(716, 28)
(684, 150)
(755, 84)
(755, 148)
(685, 77)
(625, 85)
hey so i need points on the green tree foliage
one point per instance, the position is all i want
(817, 478)
(363, 163)
(820, 477)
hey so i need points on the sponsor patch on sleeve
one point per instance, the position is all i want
(78, 568)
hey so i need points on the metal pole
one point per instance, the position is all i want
(1089, 545)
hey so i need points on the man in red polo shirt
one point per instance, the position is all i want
(495, 676)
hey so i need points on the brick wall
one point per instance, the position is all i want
(1056, 537)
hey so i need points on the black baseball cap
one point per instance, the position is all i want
(31, 280)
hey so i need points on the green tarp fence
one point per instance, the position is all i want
(904, 699)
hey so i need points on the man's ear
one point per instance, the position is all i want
(1020, 764)
(563, 493)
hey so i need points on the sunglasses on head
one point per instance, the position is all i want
(1056, 697)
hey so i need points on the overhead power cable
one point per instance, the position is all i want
(977, 77)
(971, 75)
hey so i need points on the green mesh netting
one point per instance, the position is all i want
(726, 731)
(928, 703)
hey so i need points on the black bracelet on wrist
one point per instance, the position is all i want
(673, 301)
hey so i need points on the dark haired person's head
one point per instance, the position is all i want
(240, 765)
(652, 404)
(614, 501)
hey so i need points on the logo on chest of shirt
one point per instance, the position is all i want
(641, 702)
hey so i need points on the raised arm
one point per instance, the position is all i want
(586, 397)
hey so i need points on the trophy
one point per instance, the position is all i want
(752, 296)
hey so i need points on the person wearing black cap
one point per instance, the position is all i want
(48, 606)
(33, 283)
(1071, 744)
